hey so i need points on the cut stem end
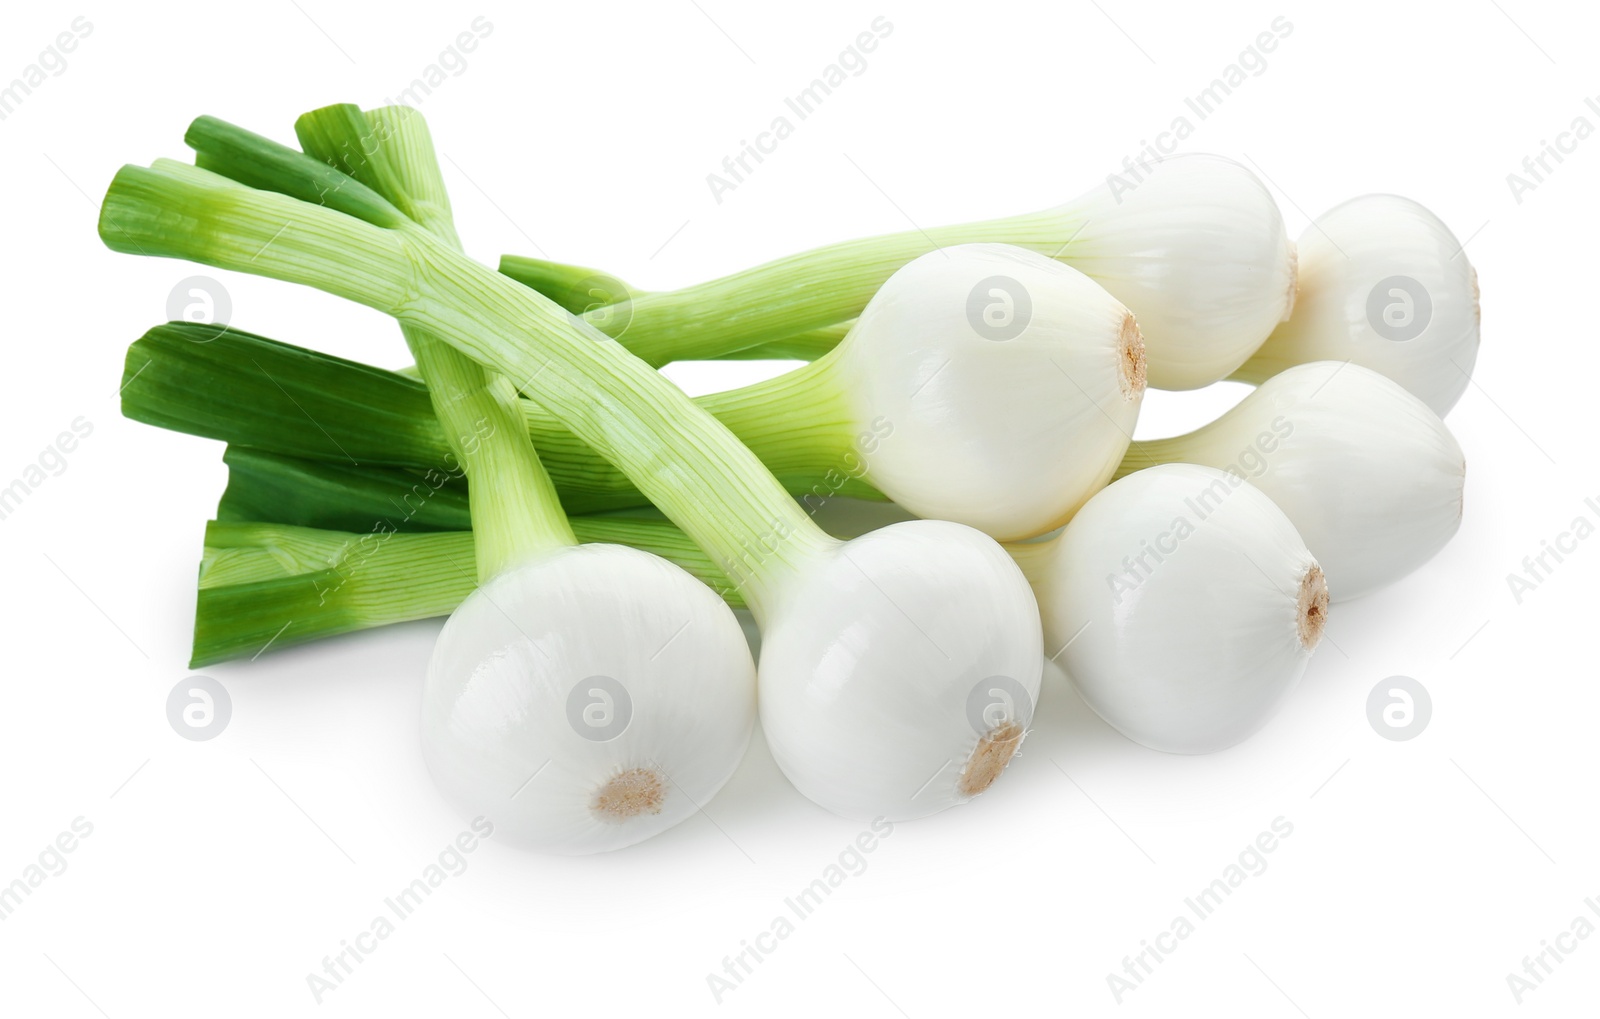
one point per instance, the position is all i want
(1294, 281)
(1477, 315)
(1133, 371)
(1313, 609)
(628, 794)
(993, 753)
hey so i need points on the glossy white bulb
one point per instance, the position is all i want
(1183, 605)
(1386, 285)
(587, 699)
(1000, 387)
(1371, 478)
(900, 671)
(1196, 248)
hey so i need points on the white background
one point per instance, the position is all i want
(219, 874)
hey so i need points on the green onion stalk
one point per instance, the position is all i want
(262, 580)
(548, 615)
(1193, 245)
(872, 650)
(604, 299)
(335, 548)
(1006, 421)
(251, 391)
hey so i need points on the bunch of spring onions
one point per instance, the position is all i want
(589, 530)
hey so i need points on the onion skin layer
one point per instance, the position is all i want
(1383, 284)
(1173, 601)
(512, 728)
(876, 678)
(1006, 423)
(1370, 476)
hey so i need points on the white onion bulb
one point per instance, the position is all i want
(1371, 478)
(898, 675)
(1383, 284)
(1003, 387)
(1182, 604)
(587, 699)
(1197, 250)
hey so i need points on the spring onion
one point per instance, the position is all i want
(1385, 285)
(984, 384)
(267, 486)
(256, 577)
(1197, 251)
(1115, 589)
(1118, 585)
(1369, 476)
(871, 650)
(255, 392)
(581, 290)
(552, 623)
(998, 388)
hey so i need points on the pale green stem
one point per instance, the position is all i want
(1033, 557)
(679, 456)
(1150, 452)
(812, 290)
(515, 510)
